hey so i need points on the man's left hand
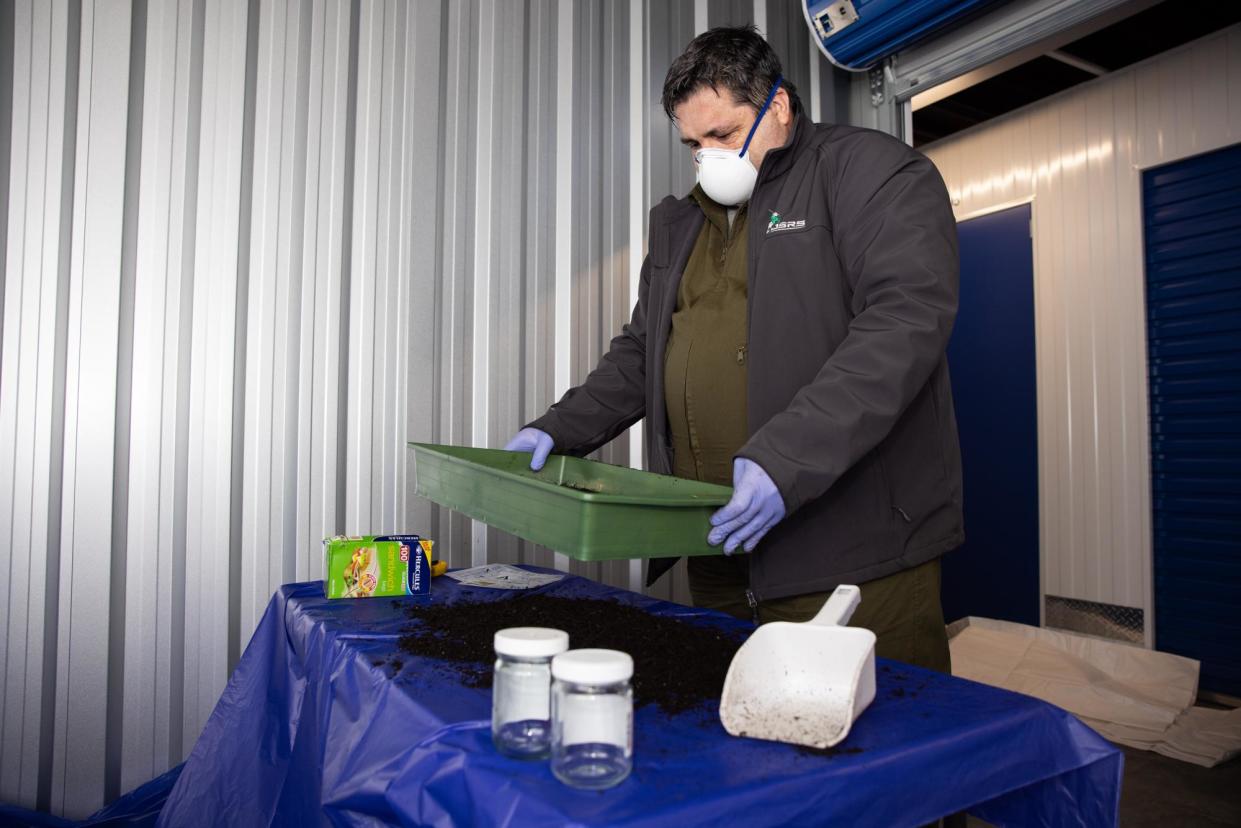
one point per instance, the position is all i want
(755, 507)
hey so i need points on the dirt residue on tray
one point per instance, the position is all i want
(583, 487)
(677, 665)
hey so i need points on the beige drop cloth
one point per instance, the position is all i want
(1130, 695)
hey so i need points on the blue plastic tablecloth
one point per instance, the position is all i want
(311, 731)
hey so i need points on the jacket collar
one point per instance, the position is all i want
(674, 210)
(778, 161)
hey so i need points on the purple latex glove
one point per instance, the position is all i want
(756, 506)
(539, 443)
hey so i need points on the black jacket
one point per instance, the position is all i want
(853, 277)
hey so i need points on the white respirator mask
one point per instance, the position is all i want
(727, 176)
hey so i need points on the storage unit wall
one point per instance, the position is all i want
(248, 250)
(1079, 156)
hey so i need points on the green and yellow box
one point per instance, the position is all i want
(376, 566)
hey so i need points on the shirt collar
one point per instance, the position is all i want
(715, 212)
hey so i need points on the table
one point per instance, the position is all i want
(311, 731)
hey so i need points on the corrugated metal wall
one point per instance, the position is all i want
(249, 250)
(1079, 156)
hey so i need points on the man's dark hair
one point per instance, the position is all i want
(736, 58)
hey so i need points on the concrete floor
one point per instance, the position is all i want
(1164, 792)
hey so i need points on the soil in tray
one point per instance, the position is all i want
(677, 665)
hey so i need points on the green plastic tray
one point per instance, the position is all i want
(591, 511)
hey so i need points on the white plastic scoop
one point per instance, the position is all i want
(802, 683)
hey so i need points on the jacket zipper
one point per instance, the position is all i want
(753, 602)
(887, 492)
(741, 355)
(752, 229)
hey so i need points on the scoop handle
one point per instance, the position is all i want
(839, 607)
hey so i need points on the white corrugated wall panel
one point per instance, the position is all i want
(210, 473)
(250, 250)
(1131, 481)
(561, 297)
(31, 382)
(1079, 157)
(482, 224)
(163, 284)
(383, 202)
(366, 343)
(80, 732)
(420, 236)
(262, 566)
(321, 292)
(637, 208)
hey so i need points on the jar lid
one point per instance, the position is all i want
(592, 666)
(531, 642)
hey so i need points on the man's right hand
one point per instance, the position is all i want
(539, 443)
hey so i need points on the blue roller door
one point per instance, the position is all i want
(1192, 217)
(858, 34)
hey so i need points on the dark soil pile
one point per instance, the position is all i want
(677, 665)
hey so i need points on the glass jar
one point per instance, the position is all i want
(592, 718)
(521, 690)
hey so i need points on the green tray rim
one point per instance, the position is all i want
(719, 498)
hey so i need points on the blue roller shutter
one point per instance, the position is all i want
(858, 34)
(1192, 217)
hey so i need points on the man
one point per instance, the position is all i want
(789, 338)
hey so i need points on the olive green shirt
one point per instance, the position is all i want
(705, 373)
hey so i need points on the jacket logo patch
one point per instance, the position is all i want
(779, 223)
